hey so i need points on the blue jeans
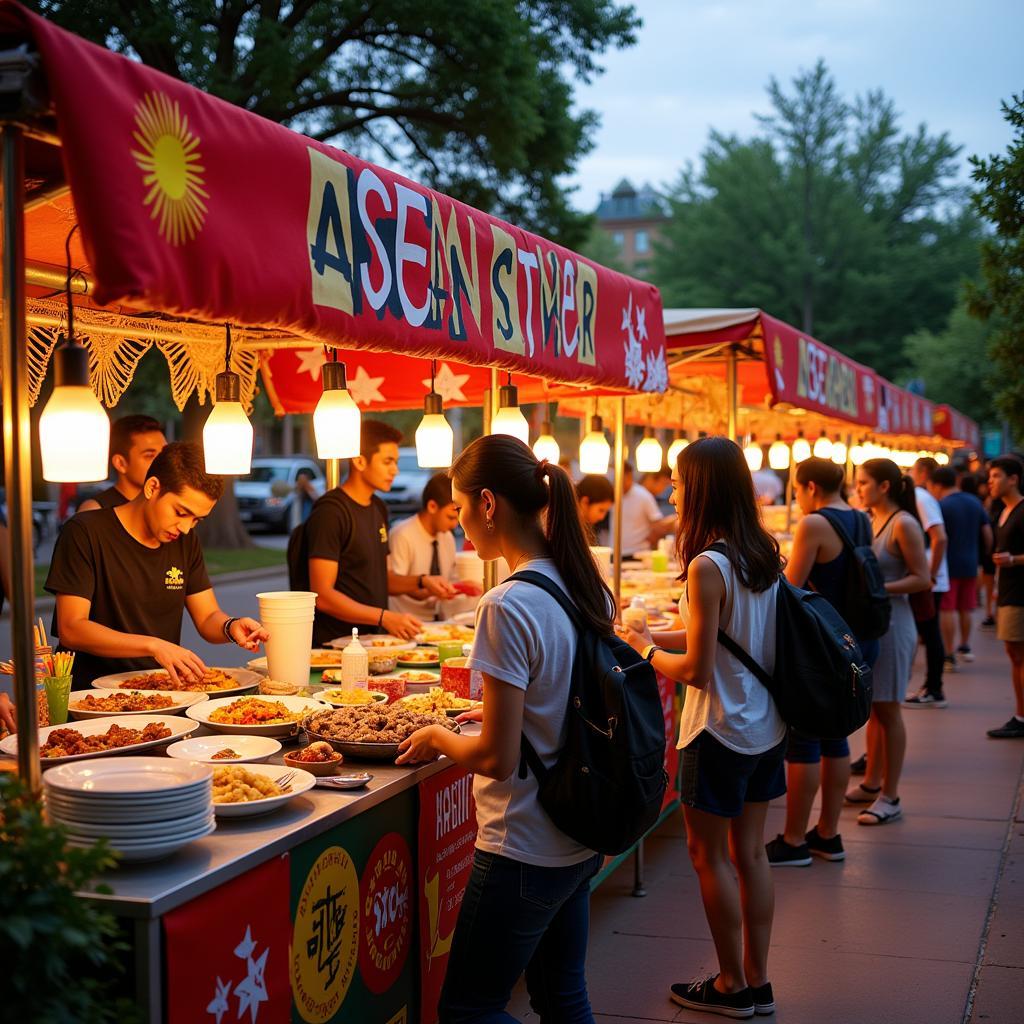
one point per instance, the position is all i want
(517, 917)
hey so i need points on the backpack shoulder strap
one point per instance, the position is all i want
(836, 525)
(743, 655)
(552, 589)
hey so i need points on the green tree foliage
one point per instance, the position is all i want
(474, 99)
(830, 218)
(1000, 200)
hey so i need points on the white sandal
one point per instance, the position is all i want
(881, 812)
(861, 794)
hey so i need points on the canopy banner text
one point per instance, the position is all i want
(955, 426)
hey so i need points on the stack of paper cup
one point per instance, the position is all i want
(288, 617)
(469, 568)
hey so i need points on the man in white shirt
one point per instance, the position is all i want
(423, 545)
(643, 523)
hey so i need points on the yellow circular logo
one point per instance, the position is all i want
(325, 939)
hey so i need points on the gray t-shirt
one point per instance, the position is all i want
(524, 639)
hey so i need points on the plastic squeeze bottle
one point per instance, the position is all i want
(355, 664)
(635, 616)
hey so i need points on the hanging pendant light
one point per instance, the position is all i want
(509, 418)
(336, 419)
(435, 439)
(801, 448)
(839, 451)
(754, 454)
(823, 447)
(942, 458)
(778, 454)
(649, 453)
(595, 452)
(546, 446)
(74, 429)
(227, 433)
(675, 450)
(858, 453)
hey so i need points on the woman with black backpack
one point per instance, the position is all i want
(527, 904)
(732, 736)
(820, 560)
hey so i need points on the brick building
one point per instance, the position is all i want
(633, 220)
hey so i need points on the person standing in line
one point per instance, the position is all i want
(1004, 479)
(993, 508)
(595, 495)
(969, 533)
(527, 904)
(643, 523)
(732, 736)
(899, 548)
(135, 441)
(819, 559)
(930, 516)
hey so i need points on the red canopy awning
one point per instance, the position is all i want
(190, 206)
(956, 426)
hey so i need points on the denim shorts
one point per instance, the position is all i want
(720, 781)
(804, 749)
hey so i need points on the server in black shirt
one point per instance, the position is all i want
(135, 441)
(1004, 482)
(341, 551)
(123, 577)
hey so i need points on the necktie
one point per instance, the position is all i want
(435, 559)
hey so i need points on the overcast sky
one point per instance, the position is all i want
(699, 64)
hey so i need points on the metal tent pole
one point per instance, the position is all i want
(620, 458)
(490, 408)
(731, 393)
(17, 449)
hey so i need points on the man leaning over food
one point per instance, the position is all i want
(123, 577)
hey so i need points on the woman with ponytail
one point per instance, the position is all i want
(899, 546)
(527, 904)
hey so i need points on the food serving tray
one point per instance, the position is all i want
(246, 679)
(361, 750)
(201, 713)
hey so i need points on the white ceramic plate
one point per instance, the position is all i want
(332, 659)
(424, 665)
(129, 777)
(179, 727)
(100, 813)
(246, 679)
(201, 713)
(374, 641)
(182, 699)
(155, 850)
(202, 748)
(431, 633)
(302, 781)
(135, 831)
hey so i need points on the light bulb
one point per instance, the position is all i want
(823, 447)
(801, 449)
(74, 436)
(336, 419)
(942, 458)
(546, 447)
(754, 454)
(858, 454)
(649, 453)
(595, 452)
(435, 439)
(778, 454)
(839, 452)
(227, 433)
(675, 450)
(509, 418)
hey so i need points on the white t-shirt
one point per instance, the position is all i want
(525, 639)
(735, 707)
(768, 485)
(639, 513)
(930, 514)
(411, 553)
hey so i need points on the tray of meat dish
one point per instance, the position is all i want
(221, 681)
(373, 733)
(84, 704)
(104, 736)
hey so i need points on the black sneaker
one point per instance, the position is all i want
(924, 699)
(1013, 730)
(702, 995)
(782, 855)
(988, 622)
(860, 766)
(965, 652)
(949, 663)
(764, 1000)
(827, 849)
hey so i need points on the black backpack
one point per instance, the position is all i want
(297, 555)
(821, 683)
(607, 787)
(866, 607)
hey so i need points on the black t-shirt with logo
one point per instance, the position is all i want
(355, 536)
(1010, 537)
(132, 588)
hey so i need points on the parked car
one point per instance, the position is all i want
(265, 497)
(406, 494)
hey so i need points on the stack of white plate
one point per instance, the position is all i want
(147, 807)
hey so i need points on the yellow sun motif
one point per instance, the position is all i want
(170, 160)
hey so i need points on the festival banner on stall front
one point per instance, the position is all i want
(956, 426)
(671, 707)
(902, 412)
(447, 833)
(190, 205)
(227, 951)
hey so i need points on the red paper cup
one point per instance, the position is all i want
(394, 688)
(463, 682)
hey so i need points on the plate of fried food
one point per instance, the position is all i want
(446, 632)
(241, 792)
(103, 736)
(370, 732)
(256, 716)
(359, 697)
(220, 681)
(438, 701)
(85, 704)
(420, 657)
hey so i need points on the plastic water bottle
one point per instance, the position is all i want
(355, 664)
(635, 616)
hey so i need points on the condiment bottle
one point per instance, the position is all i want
(355, 664)
(635, 616)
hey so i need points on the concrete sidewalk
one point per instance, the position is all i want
(922, 924)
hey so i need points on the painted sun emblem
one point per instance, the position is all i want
(171, 163)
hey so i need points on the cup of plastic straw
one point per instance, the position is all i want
(58, 689)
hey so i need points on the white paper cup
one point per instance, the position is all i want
(285, 600)
(302, 615)
(289, 648)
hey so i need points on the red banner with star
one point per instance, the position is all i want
(192, 206)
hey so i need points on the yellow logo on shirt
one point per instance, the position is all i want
(383, 534)
(175, 579)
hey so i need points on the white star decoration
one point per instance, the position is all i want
(634, 362)
(657, 371)
(449, 385)
(365, 389)
(252, 990)
(219, 1006)
(311, 360)
(641, 323)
